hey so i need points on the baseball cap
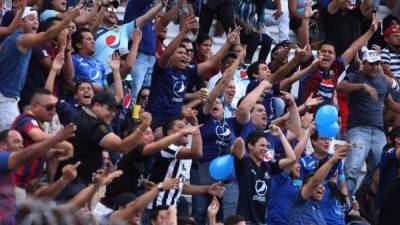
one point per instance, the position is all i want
(392, 30)
(29, 11)
(371, 56)
(105, 98)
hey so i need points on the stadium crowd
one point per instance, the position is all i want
(107, 120)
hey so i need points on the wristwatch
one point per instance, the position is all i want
(160, 186)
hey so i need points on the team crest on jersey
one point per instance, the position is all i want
(112, 41)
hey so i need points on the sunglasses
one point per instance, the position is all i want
(144, 96)
(190, 50)
(111, 9)
(49, 107)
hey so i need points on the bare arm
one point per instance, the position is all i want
(214, 59)
(99, 18)
(391, 104)
(243, 111)
(196, 150)
(387, 70)
(27, 41)
(39, 149)
(131, 58)
(238, 148)
(356, 45)
(87, 17)
(334, 6)
(322, 172)
(190, 22)
(226, 77)
(288, 67)
(346, 86)
(149, 15)
(53, 190)
(285, 83)
(114, 62)
(161, 144)
(112, 141)
(168, 17)
(14, 23)
(290, 156)
(101, 179)
(55, 69)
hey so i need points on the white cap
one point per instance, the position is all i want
(371, 56)
(29, 11)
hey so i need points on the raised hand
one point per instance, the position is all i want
(189, 115)
(374, 23)
(102, 178)
(69, 172)
(190, 23)
(58, 62)
(115, 61)
(275, 130)
(213, 207)
(288, 98)
(308, 11)
(233, 36)
(341, 151)
(307, 120)
(146, 118)
(313, 101)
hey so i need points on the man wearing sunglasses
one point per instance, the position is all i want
(30, 126)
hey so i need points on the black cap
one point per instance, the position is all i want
(123, 199)
(105, 98)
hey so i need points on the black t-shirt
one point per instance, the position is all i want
(89, 132)
(342, 28)
(132, 166)
(37, 74)
(389, 210)
(254, 188)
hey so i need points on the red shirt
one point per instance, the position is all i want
(322, 83)
(24, 123)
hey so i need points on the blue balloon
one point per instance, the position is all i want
(326, 115)
(279, 106)
(220, 168)
(329, 131)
